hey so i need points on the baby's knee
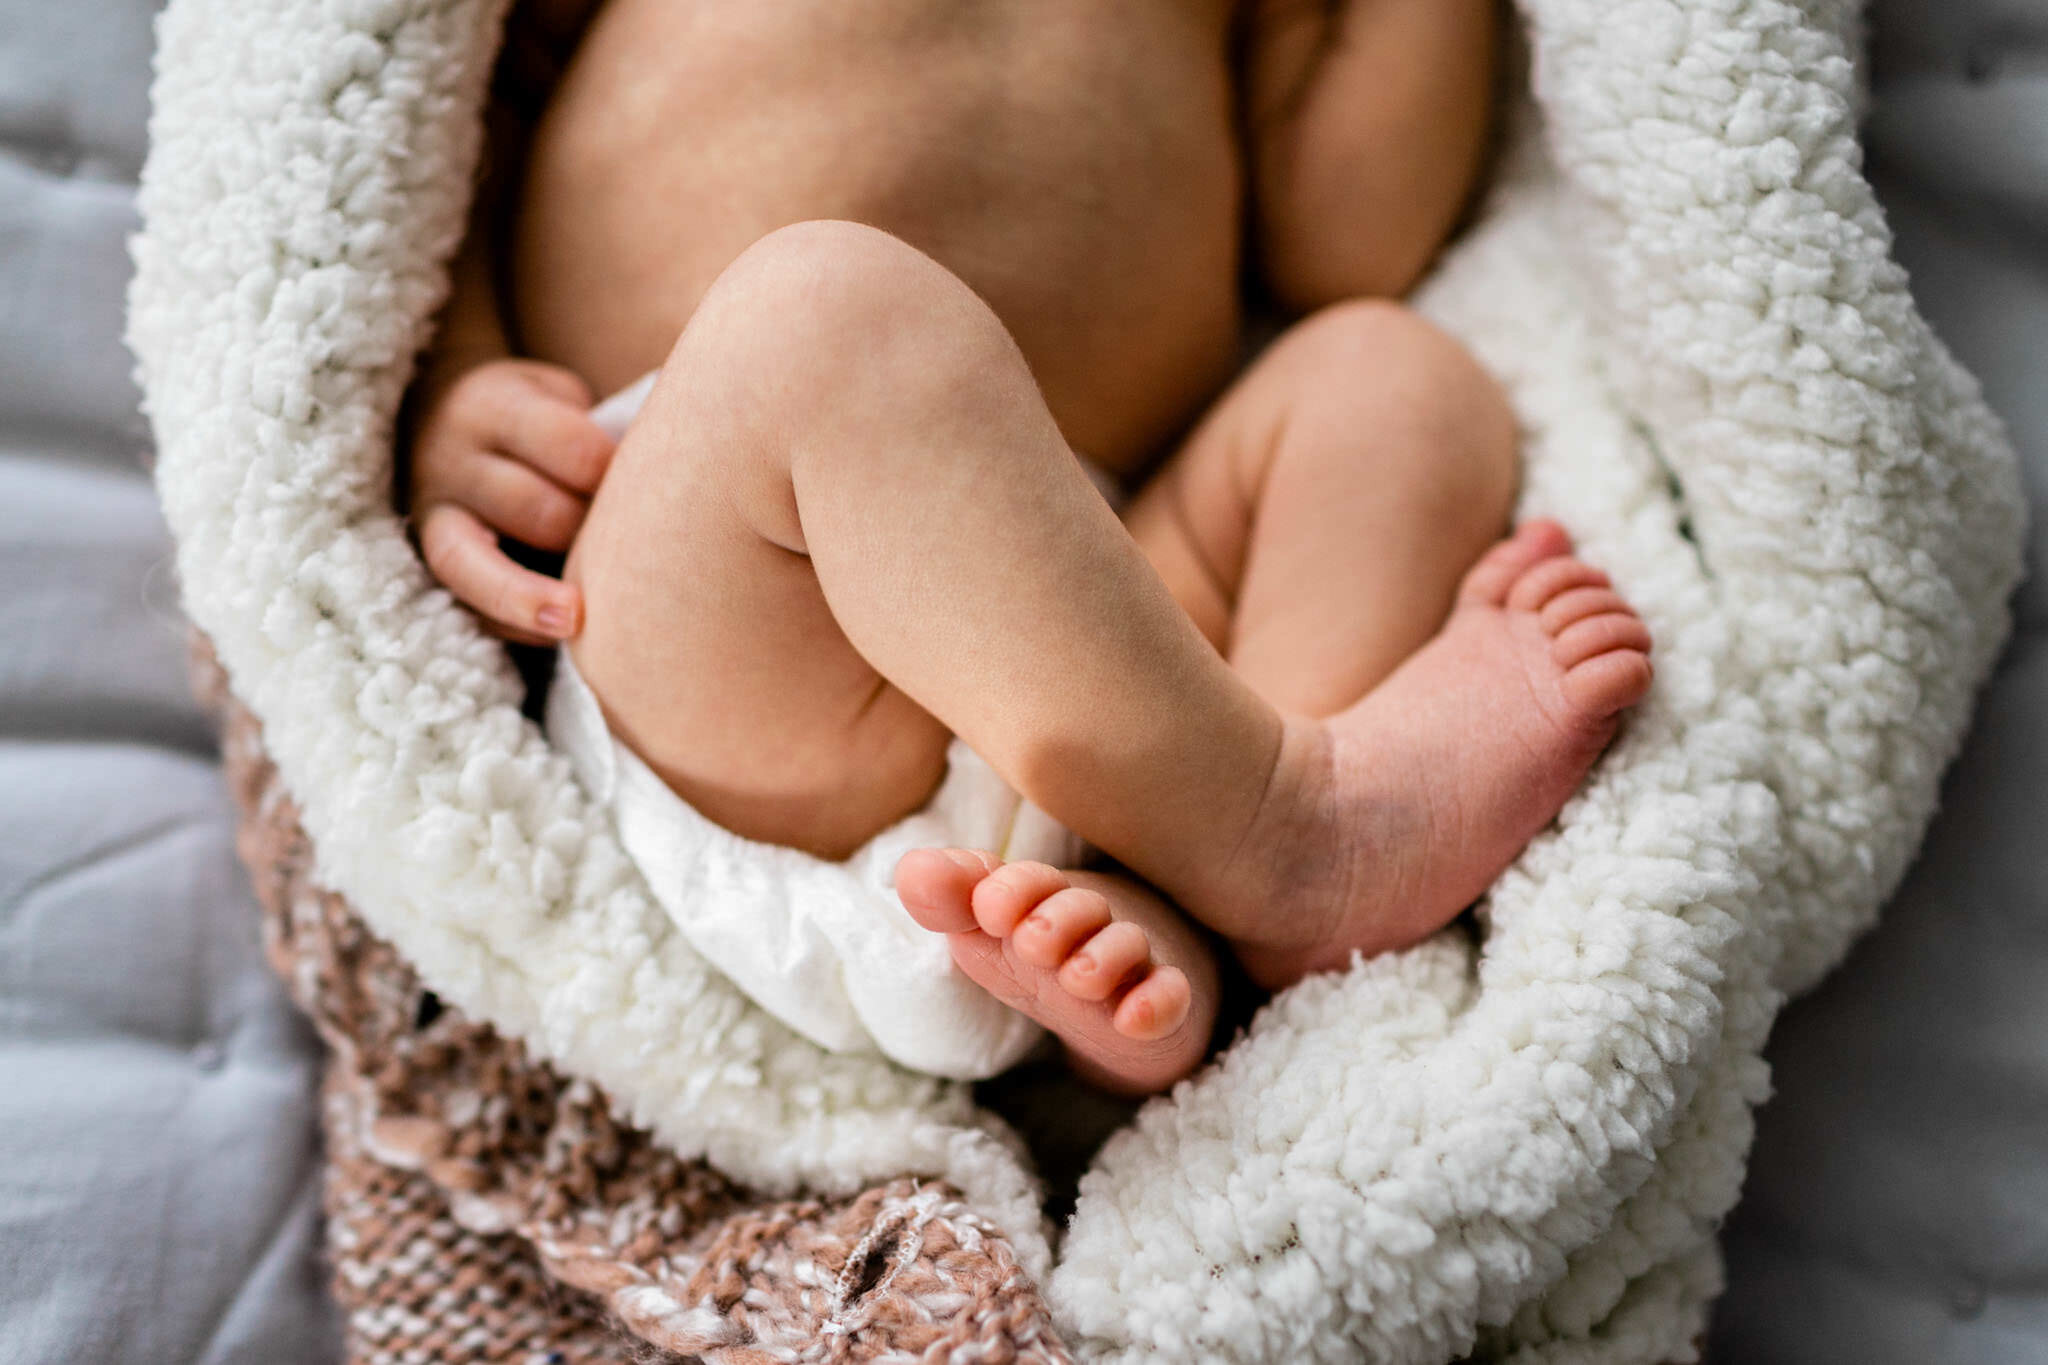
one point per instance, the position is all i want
(824, 272)
(837, 309)
(1380, 350)
(1374, 366)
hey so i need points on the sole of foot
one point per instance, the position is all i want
(1400, 811)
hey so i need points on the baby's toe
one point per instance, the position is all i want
(1606, 683)
(1105, 961)
(1576, 604)
(1061, 923)
(1596, 635)
(1011, 892)
(1155, 1006)
(1533, 542)
(936, 886)
(1535, 589)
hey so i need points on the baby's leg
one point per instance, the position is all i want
(1316, 523)
(845, 524)
(842, 412)
(1320, 526)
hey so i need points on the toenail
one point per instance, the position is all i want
(960, 857)
(1081, 962)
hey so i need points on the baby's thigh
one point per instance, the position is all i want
(715, 656)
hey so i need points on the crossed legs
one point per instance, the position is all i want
(846, 527)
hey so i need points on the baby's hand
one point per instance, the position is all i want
(507, 449)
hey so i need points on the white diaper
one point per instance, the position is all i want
(825, 947)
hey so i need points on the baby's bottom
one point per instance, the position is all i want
(845, 526)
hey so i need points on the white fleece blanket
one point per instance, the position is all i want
(1520, 1150)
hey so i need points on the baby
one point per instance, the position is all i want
(897, 263)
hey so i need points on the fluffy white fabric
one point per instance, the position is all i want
(1520, 1151)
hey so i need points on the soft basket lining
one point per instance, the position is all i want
(1524, 1151)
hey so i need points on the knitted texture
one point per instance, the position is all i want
(481, 1207)
(1518, 1147)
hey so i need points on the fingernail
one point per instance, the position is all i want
(961, 858)
(553, 619)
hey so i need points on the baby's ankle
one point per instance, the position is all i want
(1288, 833)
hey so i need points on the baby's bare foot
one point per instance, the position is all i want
(1109, 968)
(1391, 817)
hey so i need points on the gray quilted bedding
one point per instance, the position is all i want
(158, 1191)
(157, 1172)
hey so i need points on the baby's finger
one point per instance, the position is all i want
(516, 501)
(463, 553)
(560, 381)
(557, 438)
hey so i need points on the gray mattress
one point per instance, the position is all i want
(158, 1184)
